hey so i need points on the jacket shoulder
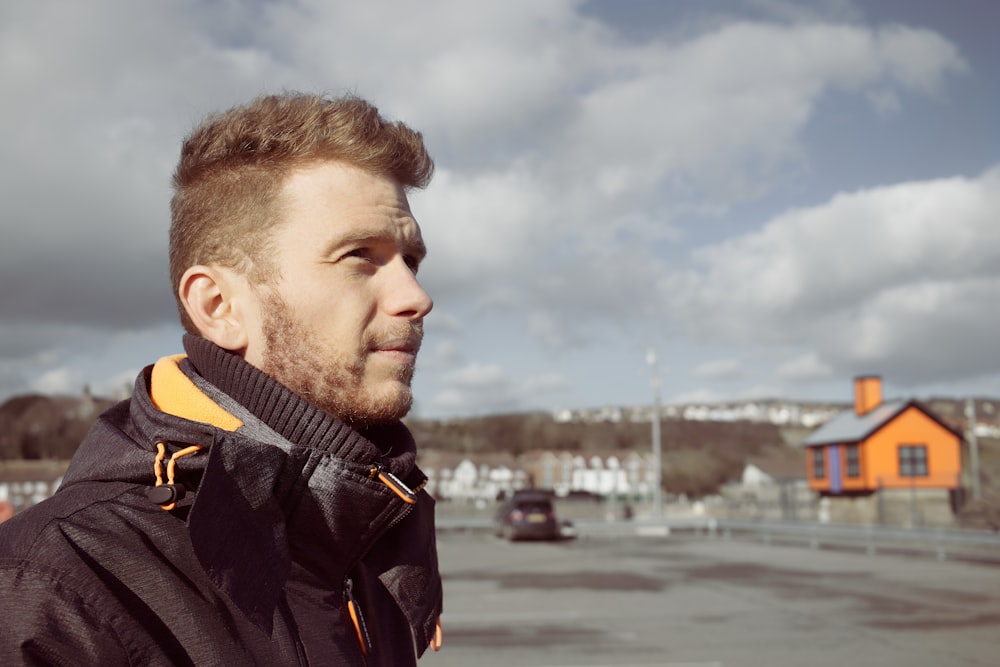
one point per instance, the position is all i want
(40, 525)
(59, 568)
(36, 598)
(39, 590)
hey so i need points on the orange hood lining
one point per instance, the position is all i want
(174, 393)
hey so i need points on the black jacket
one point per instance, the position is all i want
(298, 541)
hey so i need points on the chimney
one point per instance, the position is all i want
(867, 393)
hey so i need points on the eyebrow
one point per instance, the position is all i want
(411, 246)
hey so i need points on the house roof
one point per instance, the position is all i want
(848, 426)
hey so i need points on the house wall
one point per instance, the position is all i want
(819, 483)
(859, 483)
(880, 457)
(835, 464)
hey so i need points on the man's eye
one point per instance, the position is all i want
(412, 262)
(363, 253)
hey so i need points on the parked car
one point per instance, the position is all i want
(528, 515)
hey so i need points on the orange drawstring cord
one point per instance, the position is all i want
(437, 641)
(161, 453)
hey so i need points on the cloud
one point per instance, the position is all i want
(918, 59)
(59, 381)
(560, 228)
(476, 387)
(720, 369)
(885, 102)
(574, 164)
(899, 276)
(805, 368)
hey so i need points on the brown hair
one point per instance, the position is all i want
(233, 166)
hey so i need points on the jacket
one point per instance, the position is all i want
(215, 518)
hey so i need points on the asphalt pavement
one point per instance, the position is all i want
(695, 601)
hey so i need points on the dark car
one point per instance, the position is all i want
(528, 516)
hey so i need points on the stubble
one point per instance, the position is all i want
(333, 382)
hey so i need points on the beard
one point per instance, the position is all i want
(334, 382)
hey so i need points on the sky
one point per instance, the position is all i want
(771, 197)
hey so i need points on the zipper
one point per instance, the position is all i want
(397, 486)
(293, 630)
(409, 498)
(357, 618)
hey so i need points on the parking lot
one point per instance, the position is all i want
(688, 601)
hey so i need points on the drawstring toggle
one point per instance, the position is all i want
(166, 494)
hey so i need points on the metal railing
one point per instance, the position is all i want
(941, 543)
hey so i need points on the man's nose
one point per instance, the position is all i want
(405, 297)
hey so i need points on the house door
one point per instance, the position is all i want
(836, 481)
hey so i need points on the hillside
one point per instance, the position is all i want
(698, 455)
(46, 427)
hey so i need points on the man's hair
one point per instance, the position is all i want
(233, 166)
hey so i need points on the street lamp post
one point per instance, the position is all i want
(970, 431)
(657, 455)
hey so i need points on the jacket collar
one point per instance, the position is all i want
(261, 505)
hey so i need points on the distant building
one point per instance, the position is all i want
(876, 446)
(782, 413)
(27, 483)
(772, 486)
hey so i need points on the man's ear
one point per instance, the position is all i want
(214, 298)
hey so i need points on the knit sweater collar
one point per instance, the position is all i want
(294, 418)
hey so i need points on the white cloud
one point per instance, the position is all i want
(478, 387)
(661, 127)
(720, 369)
(115, 385)
(885, 102)
(804, 368)
(886, 275)
(918, 59)
(442, 323)
(61, 381)
(545, 384)
(477, 376)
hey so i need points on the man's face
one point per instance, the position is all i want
(342, 323)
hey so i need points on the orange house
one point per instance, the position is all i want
(882, 446)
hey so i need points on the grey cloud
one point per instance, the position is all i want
(96, 289)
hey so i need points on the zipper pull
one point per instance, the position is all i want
(404, 492)
(354, 611)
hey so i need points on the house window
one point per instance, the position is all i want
(853, 461)
(913, 460)
(819, 463)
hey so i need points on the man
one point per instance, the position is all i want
(256, 501)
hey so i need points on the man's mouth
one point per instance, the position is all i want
(403, 348)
